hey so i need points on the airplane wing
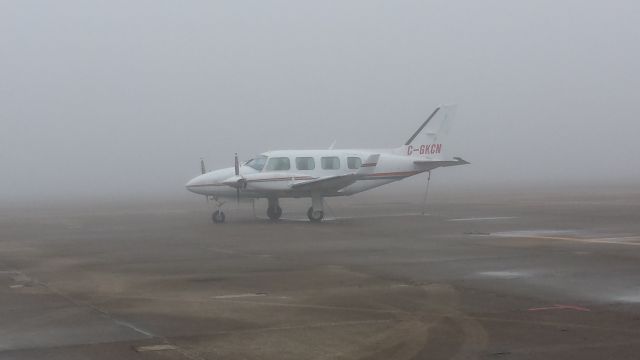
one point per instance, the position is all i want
(430, 164)
(337, 182)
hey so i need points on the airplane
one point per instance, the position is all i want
(317, 174)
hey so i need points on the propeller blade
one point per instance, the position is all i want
(204, 171)
(237, 167)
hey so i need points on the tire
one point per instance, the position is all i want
(218, 217)
(315, 216)
(274, 213)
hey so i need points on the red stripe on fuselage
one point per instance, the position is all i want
(283, 179)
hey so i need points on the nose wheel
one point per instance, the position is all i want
(218, 217)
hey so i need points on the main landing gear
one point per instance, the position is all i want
(274, 211)
(316, 211)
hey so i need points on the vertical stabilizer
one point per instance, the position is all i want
(429, 141)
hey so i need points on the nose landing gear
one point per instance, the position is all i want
(218, 217)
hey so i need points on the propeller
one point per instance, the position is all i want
(237, 165)
(203, 169)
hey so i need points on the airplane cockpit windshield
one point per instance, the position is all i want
(257, 162)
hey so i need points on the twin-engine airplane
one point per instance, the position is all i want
(317, 174)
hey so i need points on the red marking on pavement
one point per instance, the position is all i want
(560, 307)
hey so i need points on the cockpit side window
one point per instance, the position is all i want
(278, 164)
(257, 163)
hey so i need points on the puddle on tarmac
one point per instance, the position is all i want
(628, 298)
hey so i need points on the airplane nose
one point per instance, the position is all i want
(193, 184)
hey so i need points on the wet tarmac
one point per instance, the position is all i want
(519, 275)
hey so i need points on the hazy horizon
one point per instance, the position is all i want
(123, 98)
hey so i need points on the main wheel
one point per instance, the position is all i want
(274, 212)
(315, 215)
(218, 217)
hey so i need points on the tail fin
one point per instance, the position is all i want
(429, 141)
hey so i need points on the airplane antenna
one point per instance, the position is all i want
(426, 193)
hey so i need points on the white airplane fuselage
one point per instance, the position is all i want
(323, 173)
(277, 183)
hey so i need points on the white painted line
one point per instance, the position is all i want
(234, 296)
(400, 285)
(610, 240)
(621, 238)
(224, 251)
(130, 326)
(504, 274)
(381, 216)
(484, 218)
(16, 286)
(291, 219)
(160, 347)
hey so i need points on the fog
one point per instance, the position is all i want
(122, 98)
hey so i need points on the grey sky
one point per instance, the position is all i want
(123, 97)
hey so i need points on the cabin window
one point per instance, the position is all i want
(257, 163)
(278, 164)
(305, 163)
(330, 163)
(354, 162)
